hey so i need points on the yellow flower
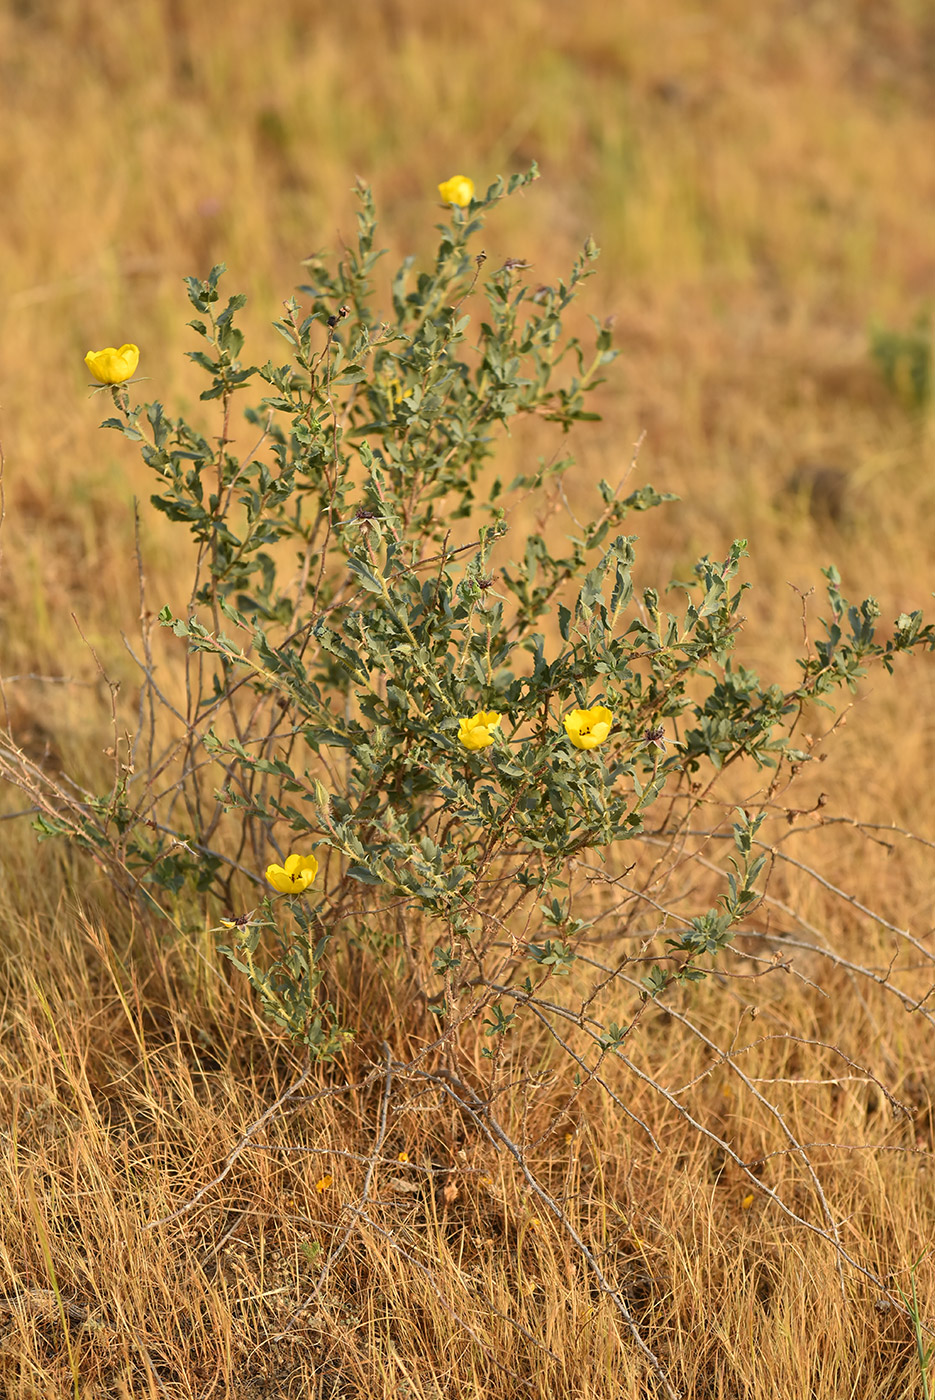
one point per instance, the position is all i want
(241, 922)
(393, 389)
(474, 733)
(403, 1157)
(323, 1183)
(458, 190)
(747, 1202)
(294, 876)
(112, 366)
(588, 728)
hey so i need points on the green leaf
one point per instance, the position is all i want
(365, 876)
(365, 574)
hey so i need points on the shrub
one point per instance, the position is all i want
(424, 727)
(904, 359)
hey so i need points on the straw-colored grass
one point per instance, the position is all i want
(761, 181)
(130, 1078)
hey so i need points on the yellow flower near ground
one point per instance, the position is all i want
(458, 190)
(474, 733)
(588, 728)
(112, 366)
(323, 1183)
(295, 874)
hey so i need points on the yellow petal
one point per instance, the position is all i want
(588, 728)
(474, 732)
(475, 739)
(295, 874)
(278, 878)
(458, 190)
(129, 356)
(110, 366)
(100, 363)
(573, 725)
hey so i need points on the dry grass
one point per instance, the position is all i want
(130, 1079)
(762, 185)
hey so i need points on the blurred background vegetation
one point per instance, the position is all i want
(760, 183)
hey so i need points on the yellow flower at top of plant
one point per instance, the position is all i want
(112, 366)
(294, 875)
(458, 190)
(588, 728)
(474, 733)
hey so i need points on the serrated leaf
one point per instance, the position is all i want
(365, 876)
